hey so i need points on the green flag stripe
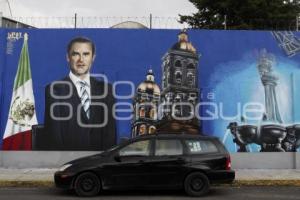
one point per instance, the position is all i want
(23, 73)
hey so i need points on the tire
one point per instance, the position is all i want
(196, 184)
(87, 184)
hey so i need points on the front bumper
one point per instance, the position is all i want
(221, 176)
(63, 180)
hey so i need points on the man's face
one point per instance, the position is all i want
(80, 58)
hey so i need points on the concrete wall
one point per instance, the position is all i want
(54, 159)
(264, 160)
(297, 160)
(38, 159)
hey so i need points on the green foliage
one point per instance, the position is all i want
(244, 14)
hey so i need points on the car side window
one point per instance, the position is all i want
(201, 146)
(140, 148)
(168, 147)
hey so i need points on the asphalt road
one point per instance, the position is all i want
(226, 192)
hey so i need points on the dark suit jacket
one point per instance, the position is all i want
(66, 133)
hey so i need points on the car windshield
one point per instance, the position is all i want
(109, 150)
(122, 141)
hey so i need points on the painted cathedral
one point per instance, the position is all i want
(172, 109)
(145, 106)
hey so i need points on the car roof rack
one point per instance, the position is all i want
(172, 134)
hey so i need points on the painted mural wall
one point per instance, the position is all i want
(241, 86)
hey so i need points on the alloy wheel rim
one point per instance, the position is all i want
(87, 184)
(197, 184)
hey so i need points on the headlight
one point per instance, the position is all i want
(64, 167)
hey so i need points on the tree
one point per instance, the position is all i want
(244, 14)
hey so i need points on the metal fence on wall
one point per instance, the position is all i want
(100, 22)
(150, 21)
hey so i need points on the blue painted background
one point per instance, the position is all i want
(227, 67)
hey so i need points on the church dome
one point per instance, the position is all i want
(149, 86)
(129, 25)
(183, 43)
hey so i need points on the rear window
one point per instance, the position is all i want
(168, 147)
(201, 146)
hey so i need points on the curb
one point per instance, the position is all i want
(236, 183)
(266, 183)
(18, 183)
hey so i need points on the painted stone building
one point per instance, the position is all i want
(145, 106)
(179, 95)
(180, 88)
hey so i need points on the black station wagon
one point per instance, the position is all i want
(160, 161)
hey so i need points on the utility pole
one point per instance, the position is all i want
(150, 21)
(75, 21)
(297, 23)
(225, 22)
(1, 15)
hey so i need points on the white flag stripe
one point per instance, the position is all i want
(25, 93)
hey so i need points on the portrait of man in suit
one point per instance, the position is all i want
(78, 108)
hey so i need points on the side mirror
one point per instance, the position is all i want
(117, 157)
(123, 140)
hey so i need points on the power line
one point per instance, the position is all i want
(9, 8)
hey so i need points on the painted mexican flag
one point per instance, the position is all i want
(22, 115)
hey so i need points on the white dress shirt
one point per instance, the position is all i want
(76, 81)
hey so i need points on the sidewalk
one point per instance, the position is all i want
(44, 177)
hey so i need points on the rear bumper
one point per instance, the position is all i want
(221, 176)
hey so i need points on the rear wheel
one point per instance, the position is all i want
(196, 184)
(87, 184)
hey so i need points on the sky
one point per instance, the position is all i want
(96, 8)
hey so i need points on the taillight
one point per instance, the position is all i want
(228, 162)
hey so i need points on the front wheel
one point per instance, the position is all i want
(196, 184)
(87, 184)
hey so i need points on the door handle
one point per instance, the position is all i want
(141, 161)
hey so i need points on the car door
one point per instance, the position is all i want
(132, 165)
(168, 163)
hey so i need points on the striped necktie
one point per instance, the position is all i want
(84, 97)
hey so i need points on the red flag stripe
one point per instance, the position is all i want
(19, 141)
